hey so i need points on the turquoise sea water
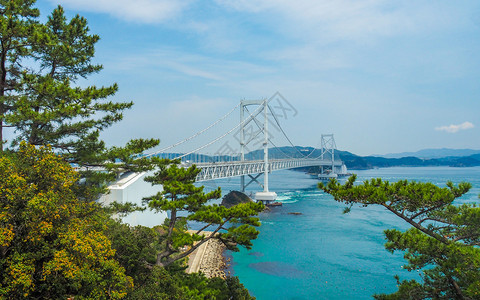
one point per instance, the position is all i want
(322, 253)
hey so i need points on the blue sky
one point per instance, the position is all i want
(383, 76)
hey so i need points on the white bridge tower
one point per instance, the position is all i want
(328, 151)
(265, 196)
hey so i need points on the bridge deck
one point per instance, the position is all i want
(219, 170)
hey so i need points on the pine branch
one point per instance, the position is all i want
(418, 226)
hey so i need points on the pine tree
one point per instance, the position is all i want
(442, 242)
(44, 103)
(53, 110)
(233, 226)
(18, 25)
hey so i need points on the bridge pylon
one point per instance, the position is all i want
(328, 151)
(265, 196)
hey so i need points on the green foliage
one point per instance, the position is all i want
(68, 47)
(233, 226)
(442, 243)
(136, 249)
(407, 289)
(43, 103)
(163, 283)
(48, 107)
(17, 26)
(52, 245)
(119, 159)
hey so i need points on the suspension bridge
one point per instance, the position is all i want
(246, 149)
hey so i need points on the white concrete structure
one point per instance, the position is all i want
(266, 197)
(132, 188)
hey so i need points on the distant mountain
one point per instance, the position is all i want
(433, 153)
(353, 161)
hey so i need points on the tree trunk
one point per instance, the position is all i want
(3, 83)
(457, 288)
(173, 220)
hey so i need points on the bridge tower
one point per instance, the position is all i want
(266, 196)
(328, 150)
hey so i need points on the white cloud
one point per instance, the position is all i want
(193, 71)
(455, 128)
(175, 61)
(351, 19)
(142, 11)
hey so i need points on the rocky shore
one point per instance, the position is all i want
(208, 259)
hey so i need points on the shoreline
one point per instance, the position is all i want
(209, 259)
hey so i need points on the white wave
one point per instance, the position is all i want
(265, 222)
(289, 201)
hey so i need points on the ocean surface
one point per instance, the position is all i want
(322, 253)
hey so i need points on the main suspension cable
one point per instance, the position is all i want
(251, 116)
(195, 135)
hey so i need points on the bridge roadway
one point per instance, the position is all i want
(220, 170)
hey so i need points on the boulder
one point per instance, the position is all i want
(235, 197)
